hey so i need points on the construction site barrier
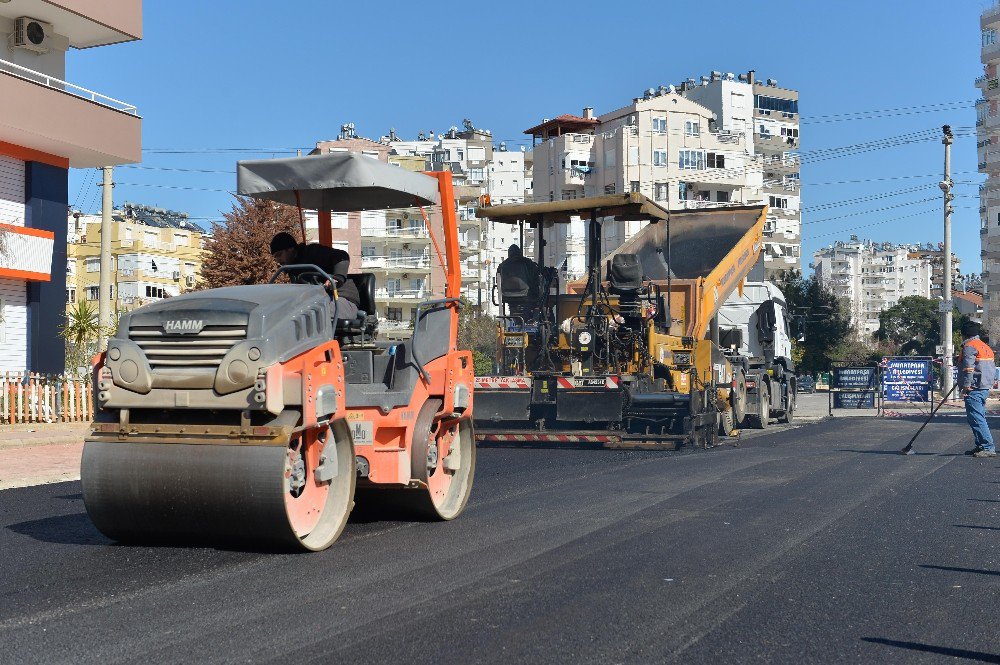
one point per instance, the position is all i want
(45, 398)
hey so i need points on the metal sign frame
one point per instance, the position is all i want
(872, 386)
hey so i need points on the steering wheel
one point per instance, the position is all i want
(304, 273)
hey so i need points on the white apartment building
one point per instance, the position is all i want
(663, 145)
(770, 115)
(988, 145)
(872, 277)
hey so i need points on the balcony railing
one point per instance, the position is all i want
(406, 294)
(403, 232)
(69, 88)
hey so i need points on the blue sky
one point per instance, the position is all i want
(255, 75)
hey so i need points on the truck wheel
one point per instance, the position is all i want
(727, 422)
(738, 395)
(786, 416)
(760, 419)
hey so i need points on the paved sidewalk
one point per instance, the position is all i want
(39, 454)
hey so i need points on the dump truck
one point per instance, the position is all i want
(255, 415)
(630, 357)
(755, 333)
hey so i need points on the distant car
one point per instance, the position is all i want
(806, 384)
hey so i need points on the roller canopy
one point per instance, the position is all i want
(339, 182)
(700, 241)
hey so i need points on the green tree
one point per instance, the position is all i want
(80, 331)
(913, 325)
(478, 333)
(819, 322)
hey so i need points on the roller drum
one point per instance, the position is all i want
(214, 494)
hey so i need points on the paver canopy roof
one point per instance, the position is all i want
(340, 182)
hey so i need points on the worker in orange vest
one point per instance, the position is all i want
(975, 378)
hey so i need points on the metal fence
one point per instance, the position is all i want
(45, 398)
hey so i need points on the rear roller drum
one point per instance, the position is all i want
(294, 497)
(443, 459)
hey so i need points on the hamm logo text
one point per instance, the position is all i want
(184, 326)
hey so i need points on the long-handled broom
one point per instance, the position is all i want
(908, 450)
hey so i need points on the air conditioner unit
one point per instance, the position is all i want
(189, 280)
(31, 35)
(177, 275)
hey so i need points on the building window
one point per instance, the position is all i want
(93, 264)
(660, 125)
(692, 159)
(661, 191)
(723, 196)
(659, 158)
(716, 160)
(609, 189)
(692, 128)
(70, 295)
(778, 202)
(790, 132)
(609, 159)
(154, 292)
(394, 313)
(367, 251)
(765, 103)
(989, 37)
(633, 186)
(93, 292)
(568, 194)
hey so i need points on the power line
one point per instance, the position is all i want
(868, 212)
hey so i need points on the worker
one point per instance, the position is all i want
(975, 378)
(519, 281)
(334, 262)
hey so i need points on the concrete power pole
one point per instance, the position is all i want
(946, 302)
(104, 290)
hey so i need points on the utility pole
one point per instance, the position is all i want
(946, 302)
(104, 290)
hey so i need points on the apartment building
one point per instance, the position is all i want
(395, 245)
(662, 145)
(872, 277)
(934, 254)
(769, 114)
(49, 125)
(988, 147)
(155, 254)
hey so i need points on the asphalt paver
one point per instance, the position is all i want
(819, 544)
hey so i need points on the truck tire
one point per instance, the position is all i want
(789, 412)
(759, 420)
(738, 396)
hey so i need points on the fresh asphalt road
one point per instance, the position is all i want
(817, 544)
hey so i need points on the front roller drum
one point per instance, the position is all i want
(296, 497)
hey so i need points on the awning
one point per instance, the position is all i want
(339, 182)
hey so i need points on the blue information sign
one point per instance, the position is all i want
(907, 380)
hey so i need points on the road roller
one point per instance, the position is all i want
(254, 416)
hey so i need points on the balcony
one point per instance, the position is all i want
(67, 122)
(990, 17)
(726, 177)
(409, 295)
(402, 234)
(28, 253)
(773, 142)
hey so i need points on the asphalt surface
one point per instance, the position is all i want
(811, 545)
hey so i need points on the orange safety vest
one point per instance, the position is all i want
(983, 349)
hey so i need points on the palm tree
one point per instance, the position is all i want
(80, 331)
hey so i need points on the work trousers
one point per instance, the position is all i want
(975, 411)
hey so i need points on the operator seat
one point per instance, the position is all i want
(519, 285)
(365, 325)
(625, 281)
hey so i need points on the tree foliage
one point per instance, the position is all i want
(80, 331)
(913, 326)
(819, 322)
(477, 332)
(239, 250)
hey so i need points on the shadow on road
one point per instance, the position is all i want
(64, 530)
(974, 526)
(979, 656)
(890, 452)
(955, 569)
(985, 500)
